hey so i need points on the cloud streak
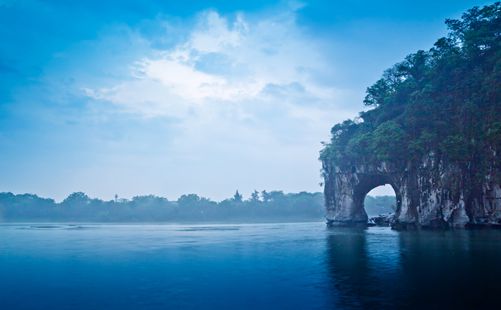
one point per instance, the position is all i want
(168, 98)
(244, 91)
(220, 102)
(228, 60)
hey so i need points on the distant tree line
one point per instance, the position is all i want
(273, 206)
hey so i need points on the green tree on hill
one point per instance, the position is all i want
(445, 101)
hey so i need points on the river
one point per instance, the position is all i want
(251, 266)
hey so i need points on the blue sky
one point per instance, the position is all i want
(172, 97)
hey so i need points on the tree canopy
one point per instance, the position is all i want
(444, 101)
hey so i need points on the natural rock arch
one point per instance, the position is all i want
(347, 195)
(345, 192)
(432, 130)
(429, 195)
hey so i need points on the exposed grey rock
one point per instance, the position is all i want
(381, 220)
(433, 194)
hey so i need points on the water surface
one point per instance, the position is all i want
(279, 266)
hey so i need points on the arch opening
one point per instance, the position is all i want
(379, 201)
(376, 209)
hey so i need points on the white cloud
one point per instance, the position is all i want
(245, 92)
(226, 61)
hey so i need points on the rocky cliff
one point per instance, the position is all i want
(431, 194)
(432, 131)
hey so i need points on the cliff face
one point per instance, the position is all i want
(432, 130)
(429, 194)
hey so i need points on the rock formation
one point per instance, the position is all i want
(432, 131)
(431, 195)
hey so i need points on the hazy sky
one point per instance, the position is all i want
(173, 97)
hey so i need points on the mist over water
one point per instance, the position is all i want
(284, 266)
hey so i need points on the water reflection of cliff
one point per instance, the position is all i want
(451, 269)
(354, 273)
(383, 270)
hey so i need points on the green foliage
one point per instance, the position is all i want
(422, 145)
(237, 197)
(266, 196)
(78, 207)
(494, 133)
(388, 140)
(279, 207)
(77, 199)
(445, 101)
(255, 196)
(455, 147)
(377, 205)
(187, 200)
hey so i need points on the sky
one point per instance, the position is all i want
(174, 97)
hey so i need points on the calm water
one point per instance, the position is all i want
(279, 266)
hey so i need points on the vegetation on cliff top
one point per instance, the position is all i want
(444, 101)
